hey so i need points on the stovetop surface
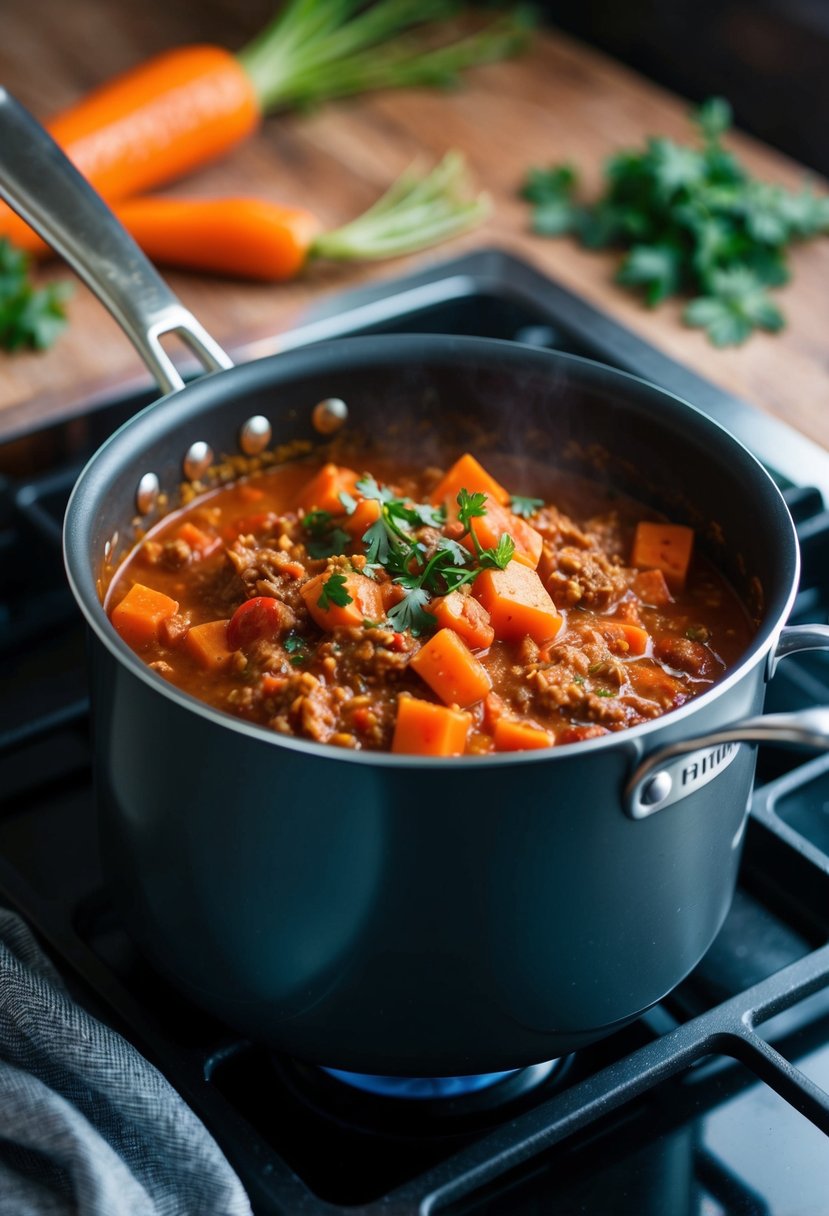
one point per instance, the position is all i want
(713, 1104)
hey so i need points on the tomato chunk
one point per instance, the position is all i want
(261, 617)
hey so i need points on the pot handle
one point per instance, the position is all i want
(674, 771)
(40, 183)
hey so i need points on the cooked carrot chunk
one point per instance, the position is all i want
(517, 603)
(322, 492)
(424, 729)
(208, 645)
(623, 637)
(200, 542)
(139, 615)
(364, 515)
(365, 601)
(490, 528)
(667, 547)
(510, 735)
(451, 670)
(468, 618)
(652, 589)
(467, 474)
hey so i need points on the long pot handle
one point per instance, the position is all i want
(676, 770)
(43, 186)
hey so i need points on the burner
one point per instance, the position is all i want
(420, 1089)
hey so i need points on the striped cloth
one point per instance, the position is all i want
(87, 1126)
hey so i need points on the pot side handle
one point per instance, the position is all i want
(674, 771)
(42, 185)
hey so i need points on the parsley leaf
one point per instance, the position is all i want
(738, 306)
(293, 643)
(525, 507)
(688, 218)
(500, 556)
(334, 592)
(411, 613)
(655, 268)
(30, 317)
(470, 506)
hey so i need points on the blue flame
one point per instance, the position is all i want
(419, 1087)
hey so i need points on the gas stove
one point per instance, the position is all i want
(714, 1103)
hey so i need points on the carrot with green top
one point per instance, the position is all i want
(256, 239)
(192, 104)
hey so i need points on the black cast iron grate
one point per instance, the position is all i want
(668, 1115)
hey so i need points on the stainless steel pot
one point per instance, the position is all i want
(383, 913)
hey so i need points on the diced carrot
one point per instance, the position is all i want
(322, 492)
(200, 542)
(494, 708)
(139, 615)
(468, 618)
(667, 547)
(623, 637)
(513, 736)
(451, 670)
(366, 602)
(364, 515)
(518, 604)
(208, 645)
(271, 685)
(652, 589)
(467, 474)
(250, 493)
(489, 529)
(424, 729)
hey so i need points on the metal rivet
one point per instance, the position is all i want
(255, 435)
(147, 493)
(329, 415)
(197, 460)
(657, 789)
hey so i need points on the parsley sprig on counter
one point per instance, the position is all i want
(391, 543)
(30, 317)
(692, 221)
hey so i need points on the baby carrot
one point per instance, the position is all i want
(191, 104)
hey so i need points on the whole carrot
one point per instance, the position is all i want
(255, 239)
(192, 104)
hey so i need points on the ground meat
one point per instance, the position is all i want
(172, 630)
(586, 577)
(271, 572)
(683, 654)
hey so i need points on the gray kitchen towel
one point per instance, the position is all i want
(87, 1126)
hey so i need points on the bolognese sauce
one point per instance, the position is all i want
(428, 611)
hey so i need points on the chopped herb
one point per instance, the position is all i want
(349, 503)
(578, 679)
(470, 506)
(30, 317)
(411, 613)
(691, 221)
(604, 692)
(294, 643)
(525, 507)
(334, 592)
(326, 540)
(698, 633)
(500, 556)
(297, 660)
(372, 624)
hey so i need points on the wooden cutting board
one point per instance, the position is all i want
(559, 101)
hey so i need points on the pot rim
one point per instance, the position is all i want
(83, 586)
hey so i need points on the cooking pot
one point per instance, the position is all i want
(392, 914)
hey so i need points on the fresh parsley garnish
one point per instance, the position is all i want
(30, 317)
(326, 539)
(691, 221)
(293, 643)
(473, 506)
(525, 507)
(334, 592)
(411, 613)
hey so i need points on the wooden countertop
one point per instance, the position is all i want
(559, 101)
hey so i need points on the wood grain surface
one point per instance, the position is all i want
(560, 100)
